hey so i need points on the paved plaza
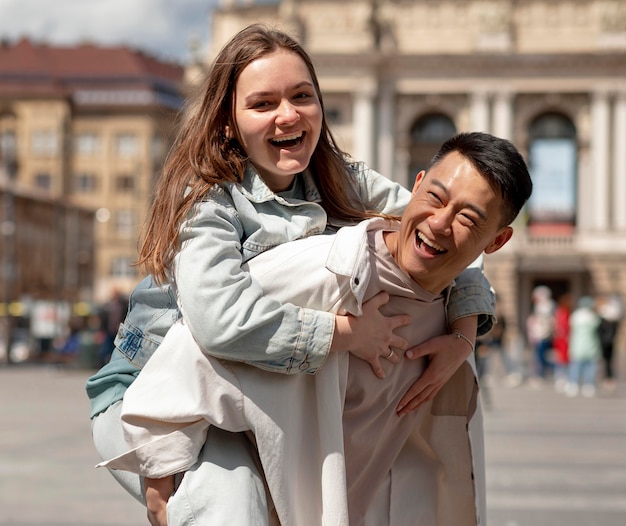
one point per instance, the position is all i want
(551, 460)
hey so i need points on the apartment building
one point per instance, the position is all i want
(401, 76)
(90, 126)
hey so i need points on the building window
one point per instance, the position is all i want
(427, 135)
(553, 167)
(125, 223)
(44, 143)
(43, 181)
(124, 184)
(87, 143)
(8, 144)
(126, 145)
(122, 267)
(157, 148)
(333, 115)
(85, 183)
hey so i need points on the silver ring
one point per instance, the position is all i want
(389, 355)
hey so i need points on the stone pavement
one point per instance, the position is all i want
(551, 460)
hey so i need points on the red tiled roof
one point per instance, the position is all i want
(42, 66)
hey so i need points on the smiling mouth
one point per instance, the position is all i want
(288, 141)
(429, 246)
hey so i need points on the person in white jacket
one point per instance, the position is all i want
(343, 446)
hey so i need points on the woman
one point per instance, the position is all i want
(254, 166)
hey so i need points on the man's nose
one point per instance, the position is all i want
(441, 220)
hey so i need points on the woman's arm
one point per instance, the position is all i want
(231, 316)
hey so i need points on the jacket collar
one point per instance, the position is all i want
(255, 189)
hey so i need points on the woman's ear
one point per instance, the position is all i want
(228, 132)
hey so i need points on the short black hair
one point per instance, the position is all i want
(499, 161)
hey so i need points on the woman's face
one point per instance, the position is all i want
(278, 116)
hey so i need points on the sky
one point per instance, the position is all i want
(163, 28)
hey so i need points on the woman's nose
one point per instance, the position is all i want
(287, 113)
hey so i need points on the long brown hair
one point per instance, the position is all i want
(203, 155)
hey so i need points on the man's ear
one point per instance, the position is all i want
(501, 239)
(418, 180)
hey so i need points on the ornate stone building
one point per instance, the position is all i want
(400, 76)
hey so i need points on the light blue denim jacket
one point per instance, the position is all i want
(232, 225)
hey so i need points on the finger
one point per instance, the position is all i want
(414, 391)
(395, 357)
(418, 351)
(417, 402)
(399, 320)
(420, 396)
(379, 300)
(377, 369)
(397, 342)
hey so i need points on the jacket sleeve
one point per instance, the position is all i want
(228, 312)
(472, 295)
(378, 192)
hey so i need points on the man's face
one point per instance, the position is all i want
(453, 216)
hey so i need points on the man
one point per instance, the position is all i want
(343, 446)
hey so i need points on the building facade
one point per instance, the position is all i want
(401, 76)
(89, 127)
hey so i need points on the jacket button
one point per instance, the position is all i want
(356, 281)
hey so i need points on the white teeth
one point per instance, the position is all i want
(430, 243)
(291, 137)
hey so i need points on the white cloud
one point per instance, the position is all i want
(161, 27)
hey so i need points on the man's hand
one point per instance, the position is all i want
(158, 492)
(446, 354)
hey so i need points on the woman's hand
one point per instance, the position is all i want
(371, 336)
(446, 354)
(158, 492)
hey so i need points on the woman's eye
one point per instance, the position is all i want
(303, 96)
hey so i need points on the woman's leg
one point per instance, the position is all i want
(108, 437)
(224, 487)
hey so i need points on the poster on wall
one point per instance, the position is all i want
(553, 170)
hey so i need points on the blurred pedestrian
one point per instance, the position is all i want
(560, 341)
(540, 330)
(584, 348)
(65, 350)
(611, 312)
(113, 314)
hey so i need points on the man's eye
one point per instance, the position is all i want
(467, 219)
(434, 196)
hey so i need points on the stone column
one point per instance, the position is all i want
(363, 122)
(385, 131)
(600, 132)
(480, 111)
(619, 162)
(503, 115)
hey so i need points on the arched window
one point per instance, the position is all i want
(427, 135)
(553, 167)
